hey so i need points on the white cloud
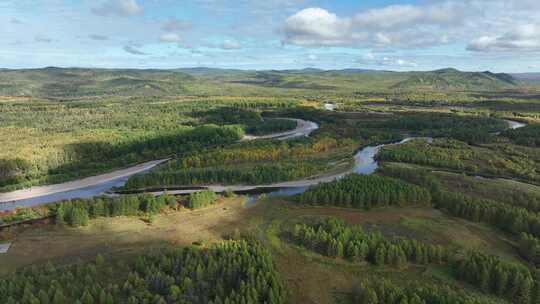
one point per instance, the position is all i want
(401, 26)
(522, 38)
(313, 57)
(401, 15)
(173, 24)
(230, 45)
(371, 59)
(316, 27)
(170, 38)
(123, 8)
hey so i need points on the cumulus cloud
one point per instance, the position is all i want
(170, 38)
(402, 26)
(385, 61)
(312, 57)
(394, 16)
(134, 50)
(123, 8)
(98, 37)
(173, 24)
(522, 38)
(230, 45)
(316, 27)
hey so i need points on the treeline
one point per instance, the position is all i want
(518, 217)
(526, 136)
(493, 275)
(255, 151)
(332, 237)
(77, 212)
(83, 159)
(365, 192)
(385, 292)
(529, 248)
(229, 272)
(269, 126)
(252, 121)
(254, 175)
(442, 154)
(201, 199)
(495, 160)
(506, 217)
(472, 129)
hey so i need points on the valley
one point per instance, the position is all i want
(422, 189)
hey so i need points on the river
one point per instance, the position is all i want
(365, 163)
(98, 185)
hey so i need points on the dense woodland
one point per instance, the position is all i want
(365, 192)
(492, 275)
(383, 291)
(229, 272)
(333, 238)
(254, 174)
(527, 136)
(495, 160)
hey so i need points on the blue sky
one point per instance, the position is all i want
(497, 35)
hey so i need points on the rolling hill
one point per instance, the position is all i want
(80, 82)
(452, 79)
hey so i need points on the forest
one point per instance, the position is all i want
(492, 275)
(234, 271)
(366, 192)
(333, 238)
(451, 217)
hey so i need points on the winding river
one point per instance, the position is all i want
(99, 184)
(365, 163)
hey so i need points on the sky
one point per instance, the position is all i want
(495, 35)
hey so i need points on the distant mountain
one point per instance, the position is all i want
(81, 82)
(452, 79)
(527, 77)
(200, 71)
(78, 82)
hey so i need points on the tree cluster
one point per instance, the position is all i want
(493, 275)
(254, 175)
(504, 216)
(529, 247)
(77, 212)
(254, 151)
(385, 292)
(526, 136)
(332, 237)
(229, 272)
(201, 199)
(366, 191)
